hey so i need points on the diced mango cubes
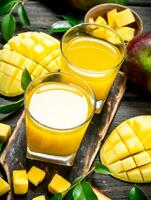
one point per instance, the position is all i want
(20, 182)
(127, 150)
(41, 197)
(118, 21)
(126, 33)
(4, 187)
(36, 175)
(124, 17)
(58, 185)
(5, 131)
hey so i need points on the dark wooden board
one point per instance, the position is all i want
(14, 154)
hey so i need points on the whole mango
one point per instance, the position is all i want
(127, 150)
(38, 52)
(138, 61)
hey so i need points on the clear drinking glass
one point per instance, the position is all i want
(58, 109)
(95, 53)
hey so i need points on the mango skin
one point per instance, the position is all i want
(127, 150)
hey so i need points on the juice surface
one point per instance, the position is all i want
(92, 54)
(57, 106)
(100, 58)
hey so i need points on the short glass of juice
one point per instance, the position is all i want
(95, 53)
(58, 110)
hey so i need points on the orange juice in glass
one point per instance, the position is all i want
(95, 53)
(58, 109)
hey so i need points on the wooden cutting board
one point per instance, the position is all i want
(14, 154)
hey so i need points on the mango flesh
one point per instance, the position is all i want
(5, 131)
(59, 185)
(36, 175)
(38, 52)
(4, 187)
(127, 150)
(20, 182)
(42, 197)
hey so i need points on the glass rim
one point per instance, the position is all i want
(94, 72)
(61, 129)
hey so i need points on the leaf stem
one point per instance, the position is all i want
(16, 4)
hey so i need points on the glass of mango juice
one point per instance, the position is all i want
(58, 110)
(95, 53)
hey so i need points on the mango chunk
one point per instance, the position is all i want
(5, 131)
(36, 175)
(100, 20)
(124, 18)
(111, 17)
(41, 197)
(127, 150)
(20, 182)
(126, 33)
(4, 187)
(58, 185)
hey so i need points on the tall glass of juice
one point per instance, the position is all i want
(58, 110)
(95, 53)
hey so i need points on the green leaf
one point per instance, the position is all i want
(83, 191)
(26, 79)
(11, 107)
(72, 19)
(7, 7)
(1, 146)
(8, 26)
(57, 197)
(59, 27)
(101, 169)
(77, 180)
(137, 194)
(23, 15)
(69, 195)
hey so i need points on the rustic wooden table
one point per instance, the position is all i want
(134, 102)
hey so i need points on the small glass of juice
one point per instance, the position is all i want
(95, 53)
(58, 110)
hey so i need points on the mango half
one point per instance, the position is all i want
(127, 150)
(38, 52)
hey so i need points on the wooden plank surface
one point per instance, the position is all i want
(134, 102)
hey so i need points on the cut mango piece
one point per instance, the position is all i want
(112, 37)
(100, 20)
(30, 50)
(126, 33)
(129, 158)
(20, 182)
(99, 33)
(91, 20)
(124, 18)
(36, 175)
(42, 197)
(111, 17)
(4, 187)
(5, 131)
(59, 185)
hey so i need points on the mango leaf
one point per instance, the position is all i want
(137, 194)
(57, 197)
(23, 15)
(101, 169)
(1, 146)
(26, 79)
(7, 7)
(60, 27)
(83, 191)
(72, 19)
(8, 26)
(69, 195)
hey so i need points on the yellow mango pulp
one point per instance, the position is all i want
(4, 187)
(5, 131)
(127, 150)
(94, 60)
(59, 185)
(36, 175)
(20, 182)
(41, 197)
